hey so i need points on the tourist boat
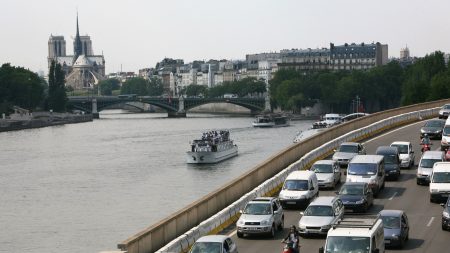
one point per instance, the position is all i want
(271, 120)
(329, 120)
(213, 147)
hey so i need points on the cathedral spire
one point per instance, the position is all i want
(77, 46)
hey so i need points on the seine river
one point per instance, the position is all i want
(86, 187)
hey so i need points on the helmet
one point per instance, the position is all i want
(425, 135)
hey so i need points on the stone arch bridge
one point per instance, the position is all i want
(175, 107)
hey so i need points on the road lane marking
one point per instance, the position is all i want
(393, 195)
(232, 233)
(395, 130)
(431, 221)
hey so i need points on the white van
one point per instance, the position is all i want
(299, 188)
(440, 182)
(445, 141)
(355, 234)
(368, 169)
(425, 167)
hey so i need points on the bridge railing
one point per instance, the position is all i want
(220, 208)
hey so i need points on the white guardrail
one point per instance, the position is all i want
(230, 213)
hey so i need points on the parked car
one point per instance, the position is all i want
(433, 128)
(406, 153)
(347, 151)
(396, 227)
(391, 161)
(320, 215)
(261, 216)
(328, 173)
(356, 197)
(214, 244)
(446, 215)
(444, 112)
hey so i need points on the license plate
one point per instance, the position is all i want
(252, 229)
(290, 203)
(349, 210)
(387, 241)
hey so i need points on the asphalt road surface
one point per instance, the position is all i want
(425, 233)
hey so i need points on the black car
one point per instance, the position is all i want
(391, 161)
(433, 128)
(446, 215)
(356, 196)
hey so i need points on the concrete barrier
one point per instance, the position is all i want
(176, 232)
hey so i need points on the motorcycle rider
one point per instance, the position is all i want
(294, 237)
(425, 141)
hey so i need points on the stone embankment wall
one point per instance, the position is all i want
(42, 119)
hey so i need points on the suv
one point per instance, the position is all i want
(319, 216)
(261, 216)
(444, 112)
(347, 151)
(406, 153)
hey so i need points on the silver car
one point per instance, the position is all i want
(319, 216)
(261, 216)
(328, 173)
(444, 112)
(214, 244)
(347, 151)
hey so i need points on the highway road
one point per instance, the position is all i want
(424, 217)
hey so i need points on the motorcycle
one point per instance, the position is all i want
(289, 247)
(447, 155)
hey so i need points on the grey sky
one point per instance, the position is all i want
(138, 33)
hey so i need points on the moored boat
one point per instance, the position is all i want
(271, 120)
(213, 147)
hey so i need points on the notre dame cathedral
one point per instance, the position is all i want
(83, 69)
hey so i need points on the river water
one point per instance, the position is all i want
(86, 187)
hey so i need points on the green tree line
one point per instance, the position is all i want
(379, 88)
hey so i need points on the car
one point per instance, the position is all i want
(440, 182)
(396, 227)
(446, 215)
(445, 141)
(444, 112)
(356, 197)
(320, 215)
(261, 215)
(347, 151)
(426, 163)
(299, 189)
(406, 153)
(432, 128)
(328, 173)
(391, 161)
(368, 169)
(214, 244)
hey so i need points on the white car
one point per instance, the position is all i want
(328, 173)
(320, 215)
(406, 153)
(214, 244)
(262, 215)
(347, 151)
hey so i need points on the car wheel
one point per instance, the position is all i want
(239, 234)
(272, 231)
(417, 182)
(443, 227)
(382, 186)
(281, 226)
(366, 207)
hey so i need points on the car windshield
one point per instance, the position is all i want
(296, 185)
(446, 107)
(258, 208)
(206, 247)
(441, 177)
(434, 123)
(348, 149)
(390, 159)
(352, 190)
(391, 221)
(428, 163)
(322, 168)
(318, 211)
(345, 244)
(362, 169)
(402, 149)
(446, 131)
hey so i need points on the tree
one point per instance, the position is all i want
(108, 85)
(57, 97)
(155, 87)
(136, 85)
(195, 90)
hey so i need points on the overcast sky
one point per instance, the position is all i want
(136, 34)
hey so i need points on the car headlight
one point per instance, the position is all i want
(240, 222)
(437, 131)
(326, 227)
(444, 141)
(265, 222)
(281, 196)
(446, 214)
(395, 236)
(422, 131)
(441, 112)
(360, 201)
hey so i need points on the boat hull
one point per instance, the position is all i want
(210, 157)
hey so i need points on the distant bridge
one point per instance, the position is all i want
(175, 107)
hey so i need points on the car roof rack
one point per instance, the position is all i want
(357, 221)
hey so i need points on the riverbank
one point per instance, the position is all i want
(42, 119)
